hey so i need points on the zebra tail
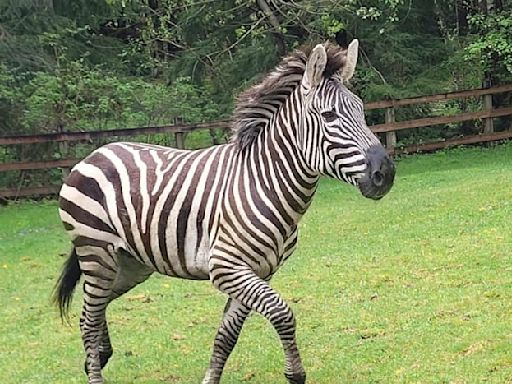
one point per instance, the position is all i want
(66, 284)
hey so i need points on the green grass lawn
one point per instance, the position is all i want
(416, 288)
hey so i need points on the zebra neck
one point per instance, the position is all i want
(277, 167)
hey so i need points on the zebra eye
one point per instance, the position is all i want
(329, 116)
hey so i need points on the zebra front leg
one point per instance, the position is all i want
(244, 285)
(234, 317)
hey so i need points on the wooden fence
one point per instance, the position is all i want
(388, 129)
(390, 126)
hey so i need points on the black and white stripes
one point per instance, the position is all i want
(227, 213)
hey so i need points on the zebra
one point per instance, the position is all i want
(227, 213)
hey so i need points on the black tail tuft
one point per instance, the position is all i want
(63, 291)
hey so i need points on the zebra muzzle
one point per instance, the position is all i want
(379, 175)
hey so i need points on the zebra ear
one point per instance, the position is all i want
(350, 64)
(315, 67)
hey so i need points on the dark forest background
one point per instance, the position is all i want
(103, 64)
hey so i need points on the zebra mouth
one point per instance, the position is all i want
(370, 190)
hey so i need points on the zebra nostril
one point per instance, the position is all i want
(378, 178)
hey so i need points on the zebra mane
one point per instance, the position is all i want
(256, 106)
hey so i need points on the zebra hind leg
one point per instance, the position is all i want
(100, 270)
(234, 317)
(105, 349)
(105, 280)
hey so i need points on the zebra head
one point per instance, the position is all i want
(333, 136)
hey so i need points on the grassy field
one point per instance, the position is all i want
(416, 288)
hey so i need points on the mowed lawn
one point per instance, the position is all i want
(416, 288)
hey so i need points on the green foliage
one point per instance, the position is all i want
(80, 97)
(492, 46)
(7, 93)
(10, 102)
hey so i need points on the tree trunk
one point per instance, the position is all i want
(462, 10)
(276, 33)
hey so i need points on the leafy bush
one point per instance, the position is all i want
(78, 97)
(492, 46)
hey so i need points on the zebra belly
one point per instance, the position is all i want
(176, 242)
(191, 262)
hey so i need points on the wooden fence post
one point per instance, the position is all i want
(390, 136)
(63, 151)
(488, 127)
(180, 142)
(179, 136)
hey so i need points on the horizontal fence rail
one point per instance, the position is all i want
(438, 97)
(91, 135)
(11, 193)
(389, 128)
(428, 121)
